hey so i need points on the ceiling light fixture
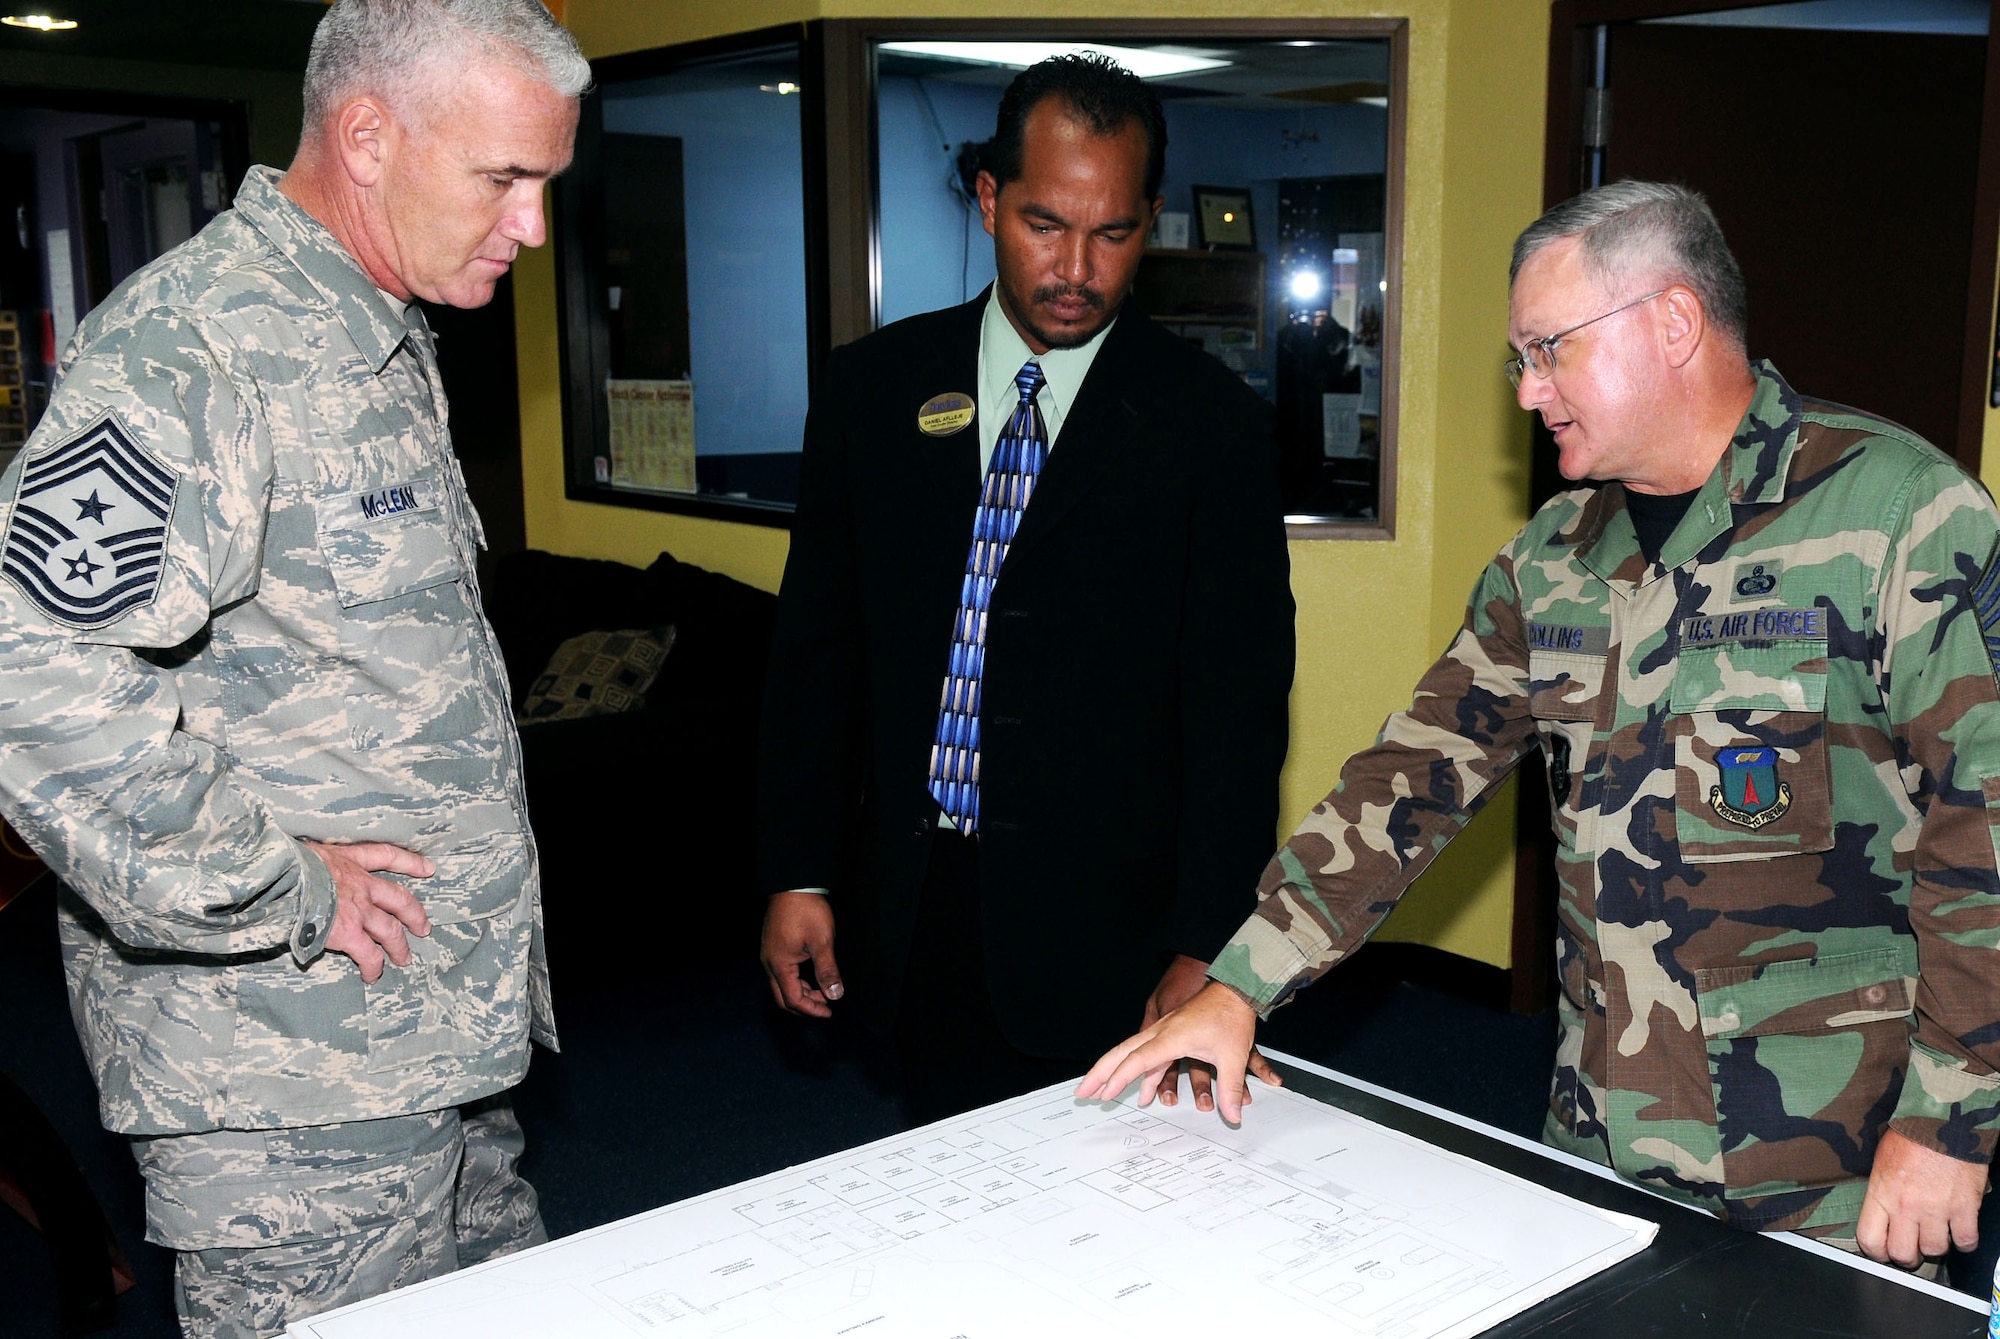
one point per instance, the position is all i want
(39, 22)
(1020, 55)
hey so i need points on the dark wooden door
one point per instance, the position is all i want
(1842, 166)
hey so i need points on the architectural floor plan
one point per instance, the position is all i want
(1046, 1216)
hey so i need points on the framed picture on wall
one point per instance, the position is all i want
(1222, 219)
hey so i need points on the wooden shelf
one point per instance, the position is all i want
(1208, 288)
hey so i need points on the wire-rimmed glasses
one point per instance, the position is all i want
(1539, 355)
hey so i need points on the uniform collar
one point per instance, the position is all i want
(374, 321)
(1752, 471)
(1755, 467)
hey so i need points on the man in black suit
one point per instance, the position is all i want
(1020, 876)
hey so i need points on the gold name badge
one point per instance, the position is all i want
(943, 415)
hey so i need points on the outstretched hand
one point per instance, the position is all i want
(1185, 978)
(373, 917)
(1216, 1027)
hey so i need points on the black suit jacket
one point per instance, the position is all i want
(1138, 657)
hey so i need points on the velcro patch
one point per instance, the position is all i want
(1569, 640)
(88, 538)
(1755, 581)
(358, 511)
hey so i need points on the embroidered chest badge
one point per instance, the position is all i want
(89, 535)
(1751, 795)
(1757, 580)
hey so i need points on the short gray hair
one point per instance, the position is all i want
(1651, 227)
(384, 47)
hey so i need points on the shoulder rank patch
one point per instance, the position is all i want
(1751, 795)
(89, 532)
(1986, 607)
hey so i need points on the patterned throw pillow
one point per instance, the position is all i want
(598, 674)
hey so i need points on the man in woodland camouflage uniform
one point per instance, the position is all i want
(1755, 661)
(253, 715)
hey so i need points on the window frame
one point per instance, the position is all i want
(840, 167)
(579, 219)
(855, 295)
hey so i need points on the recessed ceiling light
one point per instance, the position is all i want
(1020, 55)
(39, 22)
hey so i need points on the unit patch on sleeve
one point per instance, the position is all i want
(1986, 606)
(88, 536)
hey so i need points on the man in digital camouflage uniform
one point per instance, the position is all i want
(251, 701)
(1754, 659)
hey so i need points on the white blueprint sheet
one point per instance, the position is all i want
(1042, 1217)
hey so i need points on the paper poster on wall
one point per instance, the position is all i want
(62, 291)
(652, 435)
(1340, 425)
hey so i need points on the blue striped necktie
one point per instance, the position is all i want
(1010, 481)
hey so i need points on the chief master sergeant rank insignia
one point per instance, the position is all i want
(89, 529)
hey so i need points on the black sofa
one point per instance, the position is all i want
(644, 819)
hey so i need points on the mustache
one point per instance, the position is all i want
(1057, 292)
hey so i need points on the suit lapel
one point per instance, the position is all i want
(1106, 414)
(950, 464)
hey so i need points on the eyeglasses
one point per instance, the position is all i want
(1539, 355)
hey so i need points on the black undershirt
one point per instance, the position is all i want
(1654, 516)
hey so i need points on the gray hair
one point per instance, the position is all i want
(387, 47)
(1647, 227)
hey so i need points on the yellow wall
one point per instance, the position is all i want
(1371, 615)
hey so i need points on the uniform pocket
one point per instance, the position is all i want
(476, 877)
(1564, 697)
(1805, 1062)
(387, 541)
(1751, 773)
(464, 993)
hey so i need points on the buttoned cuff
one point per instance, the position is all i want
(1947, 1108)
(1263, 965)
(316, 903)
